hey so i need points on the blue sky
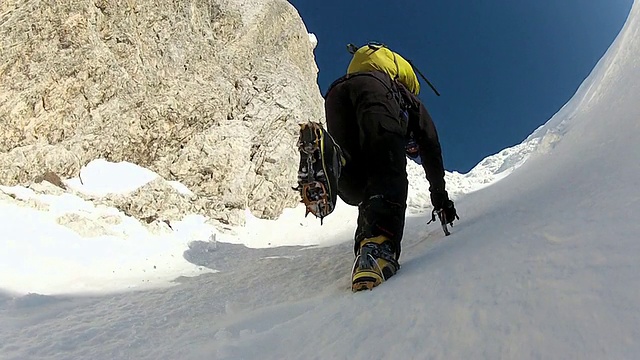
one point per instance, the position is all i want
(503, 67)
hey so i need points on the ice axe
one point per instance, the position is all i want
(443, 220)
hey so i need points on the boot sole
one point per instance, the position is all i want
(365, 280)
(312, 144)
(315, 193)
(364, 285)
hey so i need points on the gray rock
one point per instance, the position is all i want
(208, 93)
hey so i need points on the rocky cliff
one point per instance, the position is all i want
(206, 92)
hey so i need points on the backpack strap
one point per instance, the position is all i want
(415, 68)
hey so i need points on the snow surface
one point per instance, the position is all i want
(543, 264)
(313, 39)
(65, 244)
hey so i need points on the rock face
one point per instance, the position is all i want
(206, 92)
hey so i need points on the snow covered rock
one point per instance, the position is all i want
(208, 93)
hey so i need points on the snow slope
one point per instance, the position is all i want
(543, 264)
(64, 244)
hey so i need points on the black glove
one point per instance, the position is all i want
(449, 211)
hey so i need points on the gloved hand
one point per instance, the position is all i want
(450, 212)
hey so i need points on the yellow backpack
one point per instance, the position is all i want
(376, 56)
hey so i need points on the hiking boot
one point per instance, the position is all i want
(320, 163)
(375, 263)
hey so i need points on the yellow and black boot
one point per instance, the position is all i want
(375, 263)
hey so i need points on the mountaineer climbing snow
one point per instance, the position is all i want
(374, 121)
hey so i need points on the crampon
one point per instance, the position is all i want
(320, 165)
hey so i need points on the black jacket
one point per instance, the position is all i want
(419, 126)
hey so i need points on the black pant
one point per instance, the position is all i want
(364, 118)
